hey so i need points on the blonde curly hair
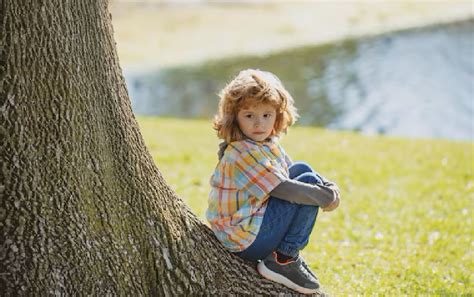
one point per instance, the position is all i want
(250, 87)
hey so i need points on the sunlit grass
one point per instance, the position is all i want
(404, 226)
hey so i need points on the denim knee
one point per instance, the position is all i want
(299, 168)
(309, 178)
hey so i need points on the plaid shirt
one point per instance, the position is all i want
(240, 186)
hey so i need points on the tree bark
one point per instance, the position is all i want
(84, 210)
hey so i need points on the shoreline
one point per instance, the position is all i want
(161, 36)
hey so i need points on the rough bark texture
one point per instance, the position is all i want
(83, 208)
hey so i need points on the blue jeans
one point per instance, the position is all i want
(286, 226)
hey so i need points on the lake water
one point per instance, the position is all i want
(415, 83)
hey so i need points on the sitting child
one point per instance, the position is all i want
(262, 206)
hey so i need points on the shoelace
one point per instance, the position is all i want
(308, 270)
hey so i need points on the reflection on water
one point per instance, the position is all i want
(417, 83)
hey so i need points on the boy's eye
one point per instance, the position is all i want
(248, 116)
(267, 115)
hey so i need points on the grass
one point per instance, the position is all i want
(404, 226)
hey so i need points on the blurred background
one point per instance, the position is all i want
(402, 68)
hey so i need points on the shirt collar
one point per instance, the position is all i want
(269, 140)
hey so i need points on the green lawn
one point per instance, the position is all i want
(404, 226)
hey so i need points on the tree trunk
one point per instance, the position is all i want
(84, 210)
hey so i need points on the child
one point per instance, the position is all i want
(261, 205)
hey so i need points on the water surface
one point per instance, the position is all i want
(414, 83)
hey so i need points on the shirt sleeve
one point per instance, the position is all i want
(302, 193)
(255, 173)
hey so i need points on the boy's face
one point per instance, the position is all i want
(257, 121)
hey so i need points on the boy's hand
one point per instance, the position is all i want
(337, 199)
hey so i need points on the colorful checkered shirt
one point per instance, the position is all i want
(240, 186)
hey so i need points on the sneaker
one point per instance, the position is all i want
(308, 269)
(291, 274)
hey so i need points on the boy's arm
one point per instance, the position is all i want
(302, 193)
(336, 201)
(335, 187)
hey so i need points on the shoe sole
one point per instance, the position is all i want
(278, 278)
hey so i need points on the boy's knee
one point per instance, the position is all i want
(309, 178)
(302, 166)
(299, 168)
